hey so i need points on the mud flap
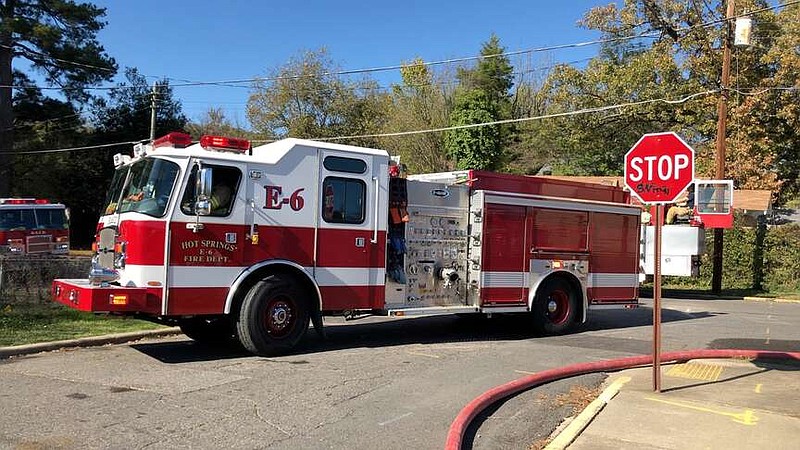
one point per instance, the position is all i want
(316, 320)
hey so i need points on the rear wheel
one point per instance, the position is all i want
(555, 307)
(274, 316)
(209, 331)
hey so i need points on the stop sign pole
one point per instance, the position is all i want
(657, 169)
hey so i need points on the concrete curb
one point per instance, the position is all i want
(92, 341)
(769, 299)
(579, 423)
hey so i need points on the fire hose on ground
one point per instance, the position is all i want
(462, 421)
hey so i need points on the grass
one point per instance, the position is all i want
(28, 324)
(787, 295)
(578, 397)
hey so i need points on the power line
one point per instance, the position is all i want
(527, 119)
(475, 125)
(53, 58)
(69, 116)
(72, 149)
(227, 83)
(550, 116)
(237, 82)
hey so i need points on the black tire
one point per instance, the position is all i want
(213, 331)
(555, 307)
(274, 316)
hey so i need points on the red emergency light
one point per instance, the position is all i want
(22, 201)
(174, 139)
(225, 143)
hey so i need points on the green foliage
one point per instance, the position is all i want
(419, 103)
(30, 323)
(476, 147)
(304, 99)
(782, 258)
(737, 258)
(57, 38)
(214, 122)
(493, 74)
(740, 260)
(80, 180)
(483, 96)
(125, 115)
(684, 59)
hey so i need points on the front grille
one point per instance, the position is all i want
(41, 243)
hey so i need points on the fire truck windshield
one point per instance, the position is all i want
(33, 218)
(145, 187)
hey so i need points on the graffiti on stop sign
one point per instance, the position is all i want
(658, 167)
(651, 188)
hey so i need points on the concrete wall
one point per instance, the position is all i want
(27, 279)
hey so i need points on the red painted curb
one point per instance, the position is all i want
(459, 426)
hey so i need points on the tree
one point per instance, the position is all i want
(475, 147)
(58, 39)
(681, 57)
(214, 122)
(123, 117)
(305, 99)
(483, 96)
(493, 74)
(419, 103)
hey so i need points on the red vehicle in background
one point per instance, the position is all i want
(30, 226)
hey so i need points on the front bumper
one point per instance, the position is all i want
(82, 295)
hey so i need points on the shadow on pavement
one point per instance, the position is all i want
(382, 332)
(189, 351)
(699, 294)
(721, 380)
(778, 345)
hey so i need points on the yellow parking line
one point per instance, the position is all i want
(757, 390)
(747, 417)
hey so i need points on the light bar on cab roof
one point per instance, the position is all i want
(23, 201)
(225, 143)
(174, 139)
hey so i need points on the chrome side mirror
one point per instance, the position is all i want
(202, 206)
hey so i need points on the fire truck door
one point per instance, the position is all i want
(351, 234)
(206, 259)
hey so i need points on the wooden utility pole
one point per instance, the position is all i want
(722, 111)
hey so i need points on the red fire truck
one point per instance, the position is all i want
(312, 228)
(30, 226)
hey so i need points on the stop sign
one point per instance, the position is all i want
(659, 167)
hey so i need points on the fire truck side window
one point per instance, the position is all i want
(341, 164)
(224, 184)
(343, 200)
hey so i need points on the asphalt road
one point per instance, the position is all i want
(374, 383)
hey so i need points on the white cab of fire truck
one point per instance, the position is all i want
(32, 226)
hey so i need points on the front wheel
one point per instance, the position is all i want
(555, 307)
(274, 316)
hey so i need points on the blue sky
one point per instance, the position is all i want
(207, 40)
